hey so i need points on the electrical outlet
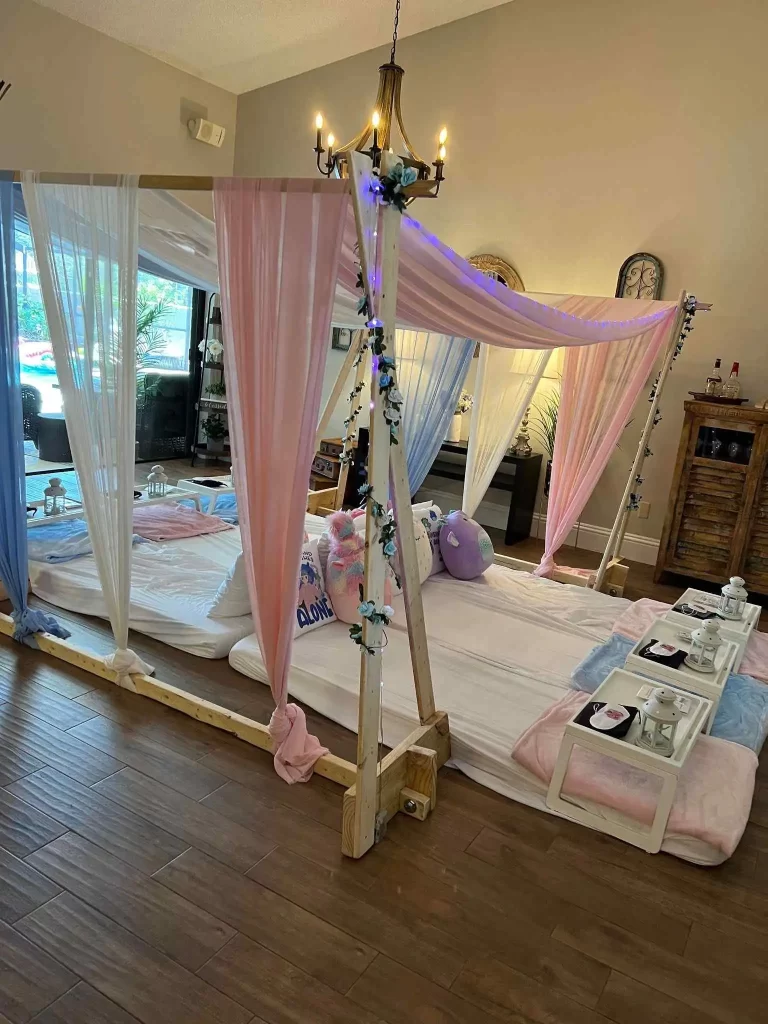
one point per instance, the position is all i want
(644, 510)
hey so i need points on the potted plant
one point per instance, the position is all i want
(463, 405)
(545, 427)
(216, 389)
(214, 429)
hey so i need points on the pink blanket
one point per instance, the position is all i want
(174, 522)
(714, 792)
(638, 617)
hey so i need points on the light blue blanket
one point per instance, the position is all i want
(742, 716)
(226, 507)
(61, 541)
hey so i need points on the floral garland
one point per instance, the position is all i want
(347, 455)
(391, 187)
(635, 497)
(377, 616)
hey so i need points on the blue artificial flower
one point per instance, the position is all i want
(390, 549)
(367, 608)
(384, 380)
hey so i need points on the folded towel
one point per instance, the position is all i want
(714, 791)
(61, 541)
(638, 617)
(174, 522)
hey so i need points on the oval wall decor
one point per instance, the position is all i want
(641, 277)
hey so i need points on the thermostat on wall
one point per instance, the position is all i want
(206, 131)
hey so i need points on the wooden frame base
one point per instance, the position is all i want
(613, 583)
(408, 774)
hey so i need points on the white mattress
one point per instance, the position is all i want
(501, 651)
(172, 587)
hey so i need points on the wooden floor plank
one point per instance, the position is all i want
(15, 763)
(49, 673)
(22, 888)
(243, 764)
(399, 995)
(312, 887)
(55, 747)
(175, 731)
(577, 889)
(43, 703)
(306, 941)
(716, 994)
(495, 931)
(193, 823)
(150, 910)
(277, 990)
(149, 757)
(507, 993)
(627, 1001)
(286, 827)
(24, 828)
(84, 1005)
(30, 979)
(126, 969)
(101, 821)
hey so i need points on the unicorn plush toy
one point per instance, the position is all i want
(346, 568)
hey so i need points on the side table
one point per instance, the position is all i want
(621, 687)
(213, 493)
(706, 684)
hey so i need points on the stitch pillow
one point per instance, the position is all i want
(465, 546)
(313, 607)
(432, 518)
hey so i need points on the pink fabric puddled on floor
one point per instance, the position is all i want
(638, 617)
(174, 522)
(714, 792)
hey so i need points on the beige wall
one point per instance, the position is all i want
(83, 102)
(580, 133)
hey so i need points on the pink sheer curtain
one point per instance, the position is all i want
(600, 386)
(278, 247)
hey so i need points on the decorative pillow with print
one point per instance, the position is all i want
(432, 519)
(313, 606)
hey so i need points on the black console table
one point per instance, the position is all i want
(522, 483)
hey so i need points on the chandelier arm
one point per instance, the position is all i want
(398, 114)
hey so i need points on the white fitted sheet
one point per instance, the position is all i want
(501, 651)
(172, 587)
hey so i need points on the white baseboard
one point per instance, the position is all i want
(594, 538)
(590, 537)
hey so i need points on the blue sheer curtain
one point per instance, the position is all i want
(13, 500)
(430, 371)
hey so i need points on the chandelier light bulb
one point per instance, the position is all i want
(319, 122)
(441, 153)
(375, 119)
(442, 136)
(331, 140)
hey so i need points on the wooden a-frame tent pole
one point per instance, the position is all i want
(622, 514)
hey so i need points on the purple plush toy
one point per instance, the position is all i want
(465, 546)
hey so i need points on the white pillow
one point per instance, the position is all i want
(232, 597)
(423, 553)
(313, 606)
(432, 519)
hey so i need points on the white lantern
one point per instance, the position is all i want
(658, 723)
(157, 482)
(54, 498)
(704, 644)
(733, 599)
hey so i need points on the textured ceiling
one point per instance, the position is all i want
(243, 44)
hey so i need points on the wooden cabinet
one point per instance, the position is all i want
(717, 520)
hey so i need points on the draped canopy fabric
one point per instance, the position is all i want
(430, 372)
(506, 381)
(278, 249)
(87, 256)
(13, 500)
(600, 385)
(438, 290)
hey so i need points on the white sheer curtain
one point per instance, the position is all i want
(506, 381)
(86, 243)
(430, 371)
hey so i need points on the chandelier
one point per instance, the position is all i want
(376, 136)
(4, 87)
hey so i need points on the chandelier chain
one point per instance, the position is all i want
(394, 34)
